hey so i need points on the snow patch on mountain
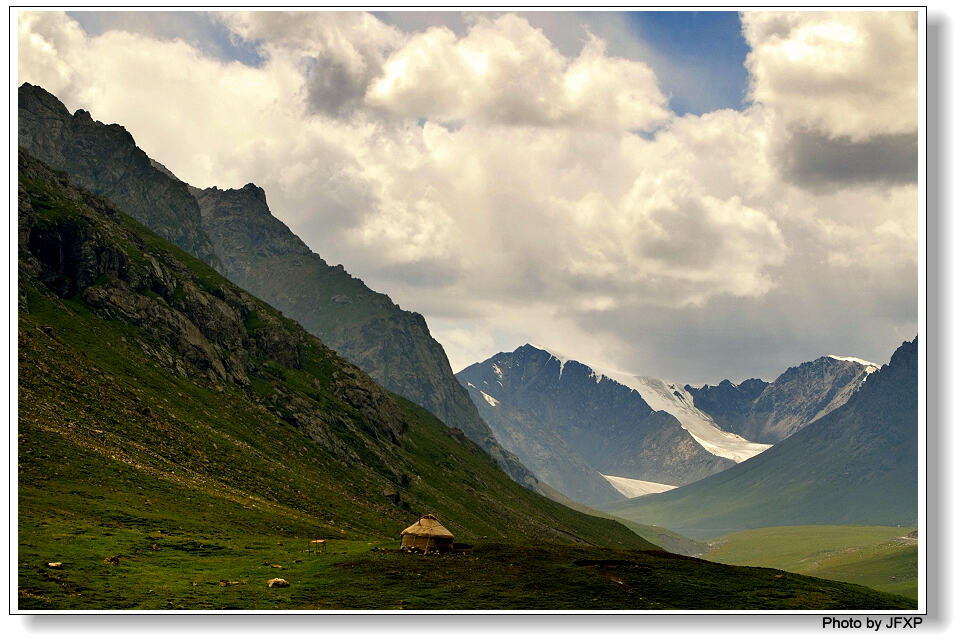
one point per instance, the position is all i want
(677, 401)
(636, 487)
(488, 398)
(867, 364)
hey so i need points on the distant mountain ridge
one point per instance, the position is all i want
(566, 422)
(771, 412)
(855, 465)
(234, 231)
(729, 423)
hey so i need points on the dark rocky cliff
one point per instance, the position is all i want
(105, 160)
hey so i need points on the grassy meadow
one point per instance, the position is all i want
(881, 557)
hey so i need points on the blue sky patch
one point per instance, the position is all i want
(701, 57)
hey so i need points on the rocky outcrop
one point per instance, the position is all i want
(105, 160)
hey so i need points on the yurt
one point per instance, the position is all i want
(427, 534)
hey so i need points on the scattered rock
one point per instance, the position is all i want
(224, 582)
(54, 564)
(275, 565)
(277, 582)
(113, 560)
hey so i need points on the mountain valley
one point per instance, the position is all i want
(201, 397)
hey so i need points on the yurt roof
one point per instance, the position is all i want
(428, 526)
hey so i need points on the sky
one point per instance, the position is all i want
(686, 195)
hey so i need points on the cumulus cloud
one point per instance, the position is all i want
(499, 186)
(504, 71)
(341, 52)
(845, 74)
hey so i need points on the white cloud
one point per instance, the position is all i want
(504, 71)
(851, 74)
(541, 216)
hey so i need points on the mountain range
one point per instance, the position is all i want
(571, 425)
(771, 412)
(588, 430)
(234, 231)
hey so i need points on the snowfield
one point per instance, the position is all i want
(674, 399)
(636, 487)
(677, 401)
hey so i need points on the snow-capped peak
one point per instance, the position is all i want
(675, 400)
(857, 360)
(562, 359)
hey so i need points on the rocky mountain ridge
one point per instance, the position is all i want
(771, 412)
(235, 231)
(105, 160)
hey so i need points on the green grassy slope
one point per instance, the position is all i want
(165, 468)
(881, 557)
